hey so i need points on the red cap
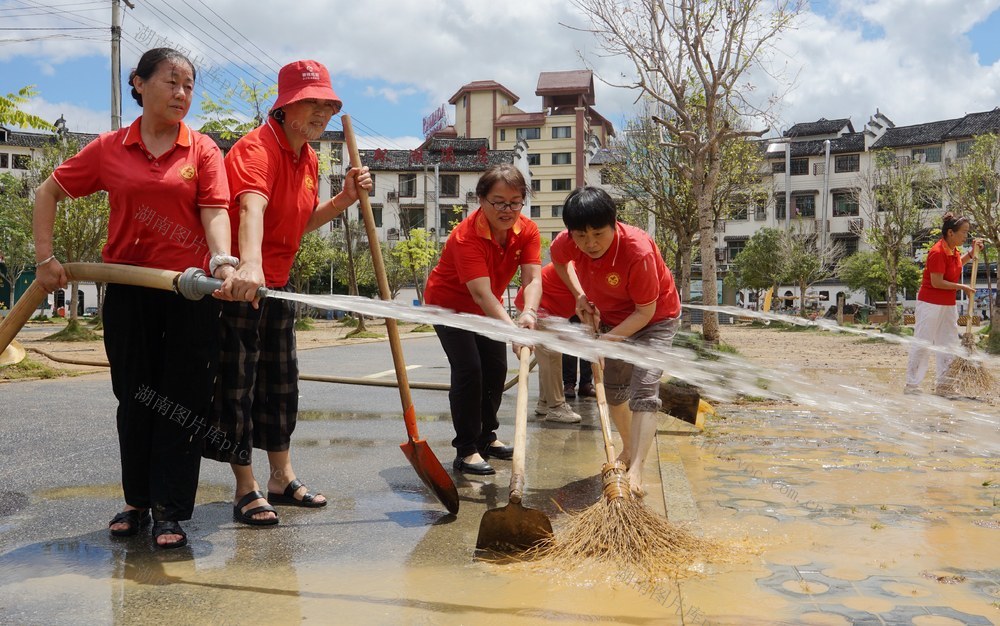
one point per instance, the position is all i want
(304, 79)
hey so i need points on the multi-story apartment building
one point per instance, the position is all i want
(819, 169)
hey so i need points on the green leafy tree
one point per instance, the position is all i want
(11, 113)
(692, 58)
(865, 271)
(895, 193)
(760, 265)
(416, 254)
(802, 263)
(312, 257)
(17, 250)
(974, 186)
(220, 116)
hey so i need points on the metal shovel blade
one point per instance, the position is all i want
(513, 528)
(429, 469)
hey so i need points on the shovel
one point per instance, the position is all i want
(514, 528)
(421, 457)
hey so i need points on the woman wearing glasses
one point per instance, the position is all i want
(479, 260)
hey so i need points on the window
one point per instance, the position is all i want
(336, 184)
(845, 204)
(4, 161)
(371, 192)
(738, 208)
(337, 153)
(562, 184)
(449, 219)
(561, 158)
(21, 161)
(805, 206)
(562, 132)
(407, 185)
(847, 163)
(449, 185)
(557, 210)
(503, 134)
(529, 133)
(376, 213)
(779, 207)
(777, 167)
(850, 246)
(536, 211)
(800, 167)
(411, 217)
(315, 146)
(964, 148)
(734, 248)
(926, 155)
(536, 184)
(534, 159)
(554, 234)
(760, 213)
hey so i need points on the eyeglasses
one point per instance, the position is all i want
(505, 206)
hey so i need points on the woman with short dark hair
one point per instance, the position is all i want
(168, 193)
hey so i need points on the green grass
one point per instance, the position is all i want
(74, 331)
(349, 321)
(304, 323)
(28, 368)
(422, 328)
(362, 334)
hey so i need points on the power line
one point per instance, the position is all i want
(55, 28)
(60, 14)
(56, 6)
(224, 21)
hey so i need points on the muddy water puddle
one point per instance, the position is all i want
(852, 529)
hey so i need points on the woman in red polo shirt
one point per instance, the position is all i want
(168, 193)
(477, 263)
(273, 178)
(936, 313)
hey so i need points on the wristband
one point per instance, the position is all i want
(219, 260)
(48, 260)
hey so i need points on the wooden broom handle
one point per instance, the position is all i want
(383, 284)
(972, 300)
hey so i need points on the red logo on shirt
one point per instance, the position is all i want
(310, 183)
(613, 279)
(187, 172)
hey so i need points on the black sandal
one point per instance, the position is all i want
(135, 519)
(247, 517)
(288, 498)
(168, 528)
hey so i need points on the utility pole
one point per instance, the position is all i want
(116, 62)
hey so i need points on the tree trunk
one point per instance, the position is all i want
(893, 278)
(802, 297)
(709, 295)
(352, 276)
(73, 296)
(684, 251)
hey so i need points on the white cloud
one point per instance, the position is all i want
(78, 119)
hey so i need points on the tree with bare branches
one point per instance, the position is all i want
(894, 195)
(693, 58)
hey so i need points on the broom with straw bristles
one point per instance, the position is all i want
(619, 529)
(969, 376)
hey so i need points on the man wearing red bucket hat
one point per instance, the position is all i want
(273, 174)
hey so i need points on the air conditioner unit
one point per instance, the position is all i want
(392, 196)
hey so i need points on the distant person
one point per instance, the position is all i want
(479, 260)
(936, 313)
(570, 366)
(167, 189)
(557, 302)
(274, 179)
(628, 286)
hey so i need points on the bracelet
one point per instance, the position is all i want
(41, 263)
(219, 260)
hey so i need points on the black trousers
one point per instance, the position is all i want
(569, 366)
(478, 368)
(163, 352)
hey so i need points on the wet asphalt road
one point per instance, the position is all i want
(383, 551)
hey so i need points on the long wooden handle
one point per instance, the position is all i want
(972, 300)
(83, 272)
(383, 286)
(602, 398)
(520, 426)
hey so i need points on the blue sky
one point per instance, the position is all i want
(916, 60)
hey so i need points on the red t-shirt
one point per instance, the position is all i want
(471, 252)
(940, 262)
(263, 162)
(631, 273)
(556, 297)
(156, 202)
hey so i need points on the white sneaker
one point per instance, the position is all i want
(911, 391)
(542, 408)
(562, 414)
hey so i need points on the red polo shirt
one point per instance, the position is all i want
(262, 162)
(631, 273)
(556, 297)
(940, 262)
(155, 218)
(471, 252)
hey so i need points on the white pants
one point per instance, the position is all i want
(550, 382)
(937, 324)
